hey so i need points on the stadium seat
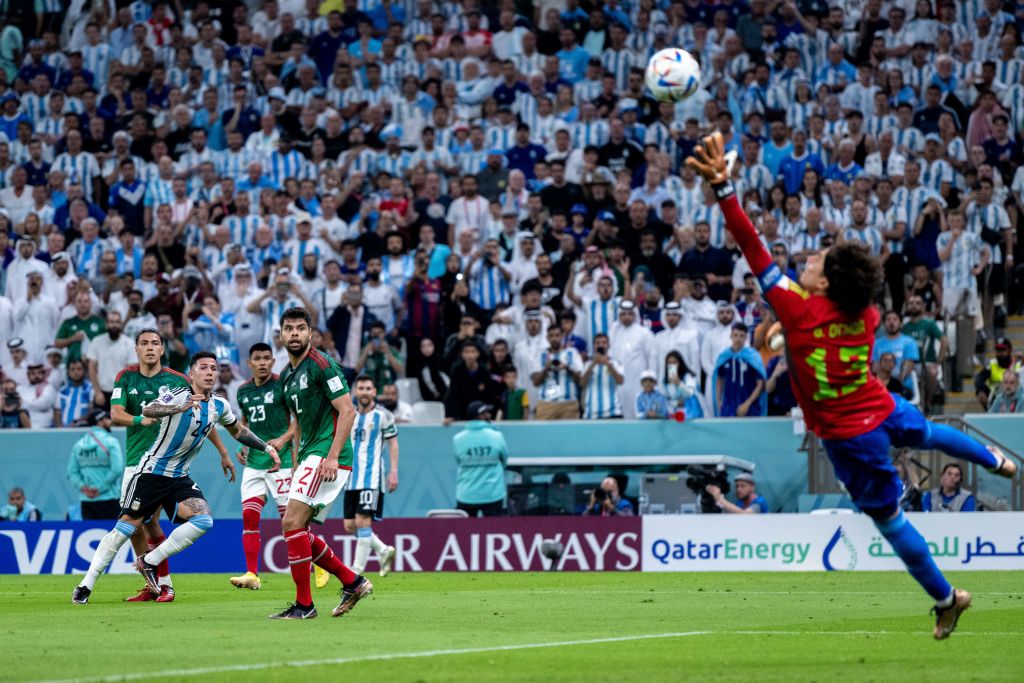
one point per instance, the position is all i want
(447, 514)
(409, 390)
(427, 412)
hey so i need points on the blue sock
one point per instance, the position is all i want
(912, 549)
(959, 445)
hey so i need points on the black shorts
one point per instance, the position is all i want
(100, 509)
(150, 492)
(366, 502)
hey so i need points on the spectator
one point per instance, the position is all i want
(932, 346)
(632, 345)
(76, 332)
(18, 509)
(1010, 397)
(481, 456)
(17, 369)
(739, 378)
(682, 388)
(949, 496)
(390, 399)
(556, 373)
(433, 380)
(715, 342)
(379, 359)
(606, 501)
(349, 325)
(650, 403)
(902, 347)
(39, 398)
(748, 501)
(13, 415)
(602, 383)
(108, 354)
(885, 374)
(74, 398)
(991, 375)
(95, 469)
(514, 402)
(470, 383)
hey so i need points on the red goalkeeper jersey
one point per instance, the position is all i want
(828, 352)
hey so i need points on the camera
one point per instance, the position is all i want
(703, 475)
(600, 494)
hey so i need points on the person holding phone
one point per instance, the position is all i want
(378, 359)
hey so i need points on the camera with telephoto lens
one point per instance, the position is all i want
(600, 494)
(703, 475)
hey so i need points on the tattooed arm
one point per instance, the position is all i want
(159, 410)
(247, 438)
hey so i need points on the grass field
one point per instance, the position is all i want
(518, 627)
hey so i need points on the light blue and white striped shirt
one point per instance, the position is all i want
(75, 402)
(488, 285)
(601, 399)
(181, 436)
(369, 433)
(600, 315)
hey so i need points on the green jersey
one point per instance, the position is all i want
(308, 391)
(93, 327)
(266, 415)
(928, 337)
(133, 391)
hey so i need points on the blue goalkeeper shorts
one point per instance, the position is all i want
(864, 465)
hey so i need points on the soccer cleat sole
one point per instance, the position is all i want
(387, 563)
(946, 622)
(149, 574)
(348, 603)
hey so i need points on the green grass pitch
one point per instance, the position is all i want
(518, 627)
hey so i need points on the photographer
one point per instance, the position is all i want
(606, 501)
(747, 499)
(12, 414)
(557, 374)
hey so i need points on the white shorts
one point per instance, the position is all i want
(266, 484)
(308, 488)
(126, 479)
(951, 297)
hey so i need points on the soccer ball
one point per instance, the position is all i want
(672, 75)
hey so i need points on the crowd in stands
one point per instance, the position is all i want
(484, 196)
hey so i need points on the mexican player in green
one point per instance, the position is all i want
(318, 398)
(263, 410)
(134, 387)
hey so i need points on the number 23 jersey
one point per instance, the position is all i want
(829, 357)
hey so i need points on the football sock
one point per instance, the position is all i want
(105, 551)
(913, 550)
(378, 545)
(299, 559)
(325, 558)
(251, 510)
(163, 570)
(959, 445)
(364, 541)
(182, 537)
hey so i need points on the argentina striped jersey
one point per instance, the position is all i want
(181, 436)
(368, 436)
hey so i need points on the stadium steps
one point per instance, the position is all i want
(960, 402)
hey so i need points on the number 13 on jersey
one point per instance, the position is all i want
(851, 371)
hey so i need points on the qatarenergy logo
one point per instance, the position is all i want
(665, 551)
(839, 552)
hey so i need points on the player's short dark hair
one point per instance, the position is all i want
(854, 275)
(365, 378)
(296, 313)
(200, 355)
(148, 330)
(260, 346)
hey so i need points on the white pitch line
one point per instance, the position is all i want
(384, 657)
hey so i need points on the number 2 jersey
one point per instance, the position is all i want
(309, 389)
(133, 390)
(266, 415)
(181, 436)
(369, 433)
(828, 351)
